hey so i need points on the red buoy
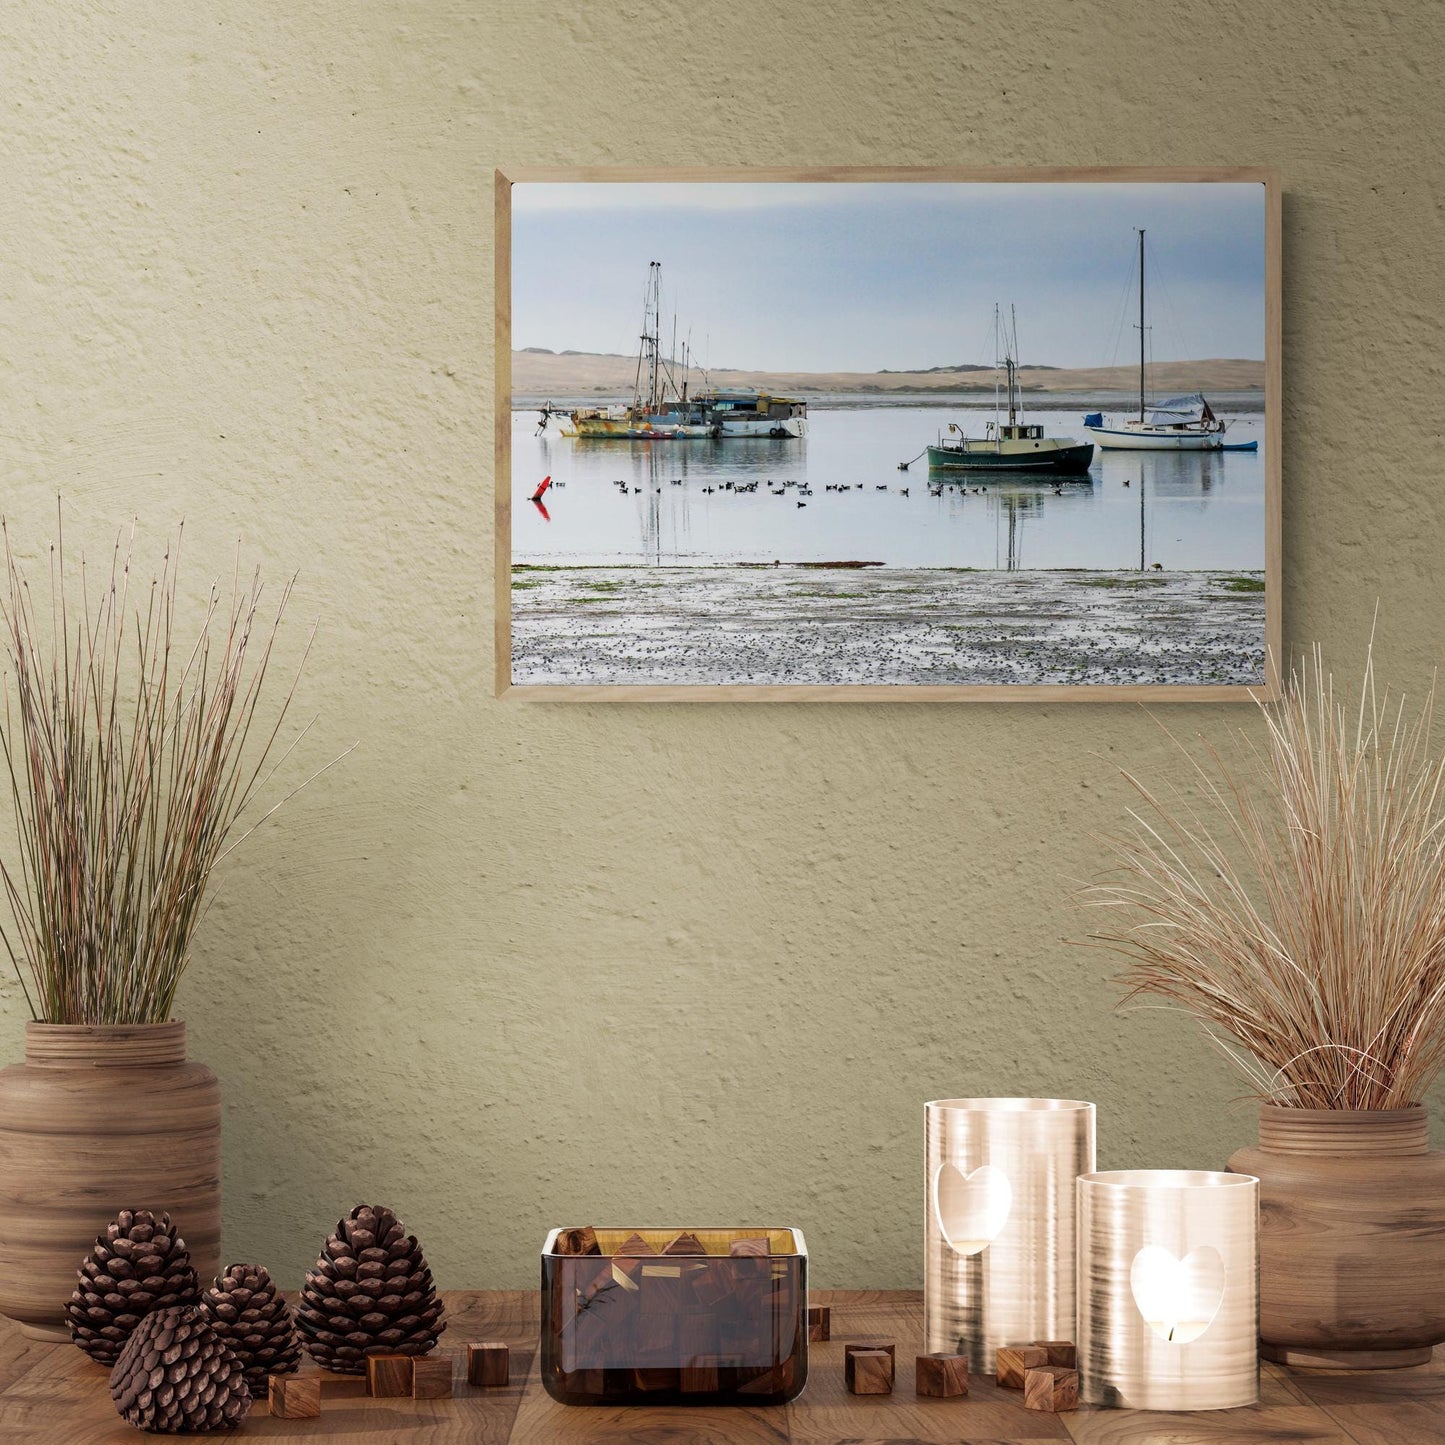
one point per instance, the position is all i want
(537, 495)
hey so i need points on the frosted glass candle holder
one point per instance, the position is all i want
(999, 1221)
(1168, 1289)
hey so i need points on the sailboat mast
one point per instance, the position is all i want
(651, 327)
(642, 344)
(1013, 362)
(997, 352)
(1141, 328)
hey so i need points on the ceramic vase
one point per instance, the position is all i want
(1352, 1236)
(97, 1119)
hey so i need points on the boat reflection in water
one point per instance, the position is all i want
(1014, 501)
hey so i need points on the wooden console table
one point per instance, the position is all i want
(52, 1395)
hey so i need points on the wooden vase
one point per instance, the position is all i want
(1352, 1236)
(100, 1118)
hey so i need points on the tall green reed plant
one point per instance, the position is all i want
(133, 750)
(1294, 902)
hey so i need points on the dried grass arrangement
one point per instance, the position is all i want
(132, 753)
(1294, 902)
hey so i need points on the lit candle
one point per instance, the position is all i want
(1177, 1297)
(1168, 1289)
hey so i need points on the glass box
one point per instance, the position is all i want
(674, 1317)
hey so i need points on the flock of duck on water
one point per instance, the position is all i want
(804, 489)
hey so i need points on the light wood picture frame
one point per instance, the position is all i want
(689, 595)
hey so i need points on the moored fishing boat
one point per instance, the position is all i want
(661, 408)
(745, 413)
(721, 414)
(1016, 447)
(1012, 448)
(661, 413)
(1181, 424)
(629, 423)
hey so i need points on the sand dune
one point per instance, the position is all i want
(540, 374)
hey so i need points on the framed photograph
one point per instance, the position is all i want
(907, 435)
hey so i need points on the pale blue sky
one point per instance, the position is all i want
(843, 276)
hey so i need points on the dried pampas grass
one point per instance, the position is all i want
(1294, 901)
(132, 752)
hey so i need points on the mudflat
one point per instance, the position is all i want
(817, 625)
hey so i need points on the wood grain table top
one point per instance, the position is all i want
(53, 1395)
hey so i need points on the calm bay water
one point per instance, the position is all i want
(1200, 509)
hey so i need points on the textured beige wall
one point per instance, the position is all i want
(501, 967)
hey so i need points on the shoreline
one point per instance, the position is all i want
(965, 399)
(538, 372)
(794, 624)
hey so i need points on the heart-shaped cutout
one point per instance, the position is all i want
(971, 1209)
(1178, 1298)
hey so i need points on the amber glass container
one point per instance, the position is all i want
(704, 1327)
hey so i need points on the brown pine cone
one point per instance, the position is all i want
(138, 1265)
(370, 1293)
(174, 1374)
(254, 1323)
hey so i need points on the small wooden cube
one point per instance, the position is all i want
(388, 1376)
(634, 1244)
(431, 1377)
(1013, 1360)
(601, 1280)
(870, 1372)
(488, 1364)
(627, 1260)
(578, 1241)
(820, 1322)
(1060, 1352)
(699, 1374)
(1053, 1388)
(773, 1380)
(708, 1287)
(873, 1345)
(663, 1288)
(749, 1247)
(685, 1243)
(294, 1397)
(627, 1271)
(655, 1339)
(941, 1376)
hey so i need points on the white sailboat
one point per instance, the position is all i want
(1181, 424)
